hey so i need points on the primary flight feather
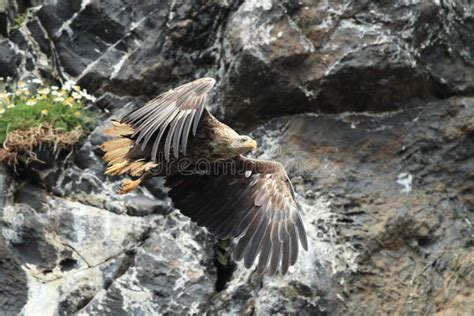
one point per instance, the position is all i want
(174, 136)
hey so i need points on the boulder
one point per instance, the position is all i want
(284, 57)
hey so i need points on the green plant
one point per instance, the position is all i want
(222, 251)
(23, 17)
(28, 104)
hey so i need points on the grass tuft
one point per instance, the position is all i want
(33, 114)
(28, 104)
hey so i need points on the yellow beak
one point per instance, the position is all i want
(252, 144)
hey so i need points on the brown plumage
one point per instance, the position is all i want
(174, 136)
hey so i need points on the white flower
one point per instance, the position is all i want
(54, 88)
(68, 85)
(11, 105)
(87, 96)
(58, 99)
(54, 93)
(36, 80)
(31, 102)
(44, 91)
(2, 110)
(22, 91)
(76, 95)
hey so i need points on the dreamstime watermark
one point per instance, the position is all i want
(231, 167)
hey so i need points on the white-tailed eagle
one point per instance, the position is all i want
(174, 136)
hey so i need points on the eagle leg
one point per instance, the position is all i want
(129, 185)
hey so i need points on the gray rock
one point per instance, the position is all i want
(297, 56)
(9, 60)
(170, 271)
(69, 251)
(4, 18)
(6, 186)
(13, 288)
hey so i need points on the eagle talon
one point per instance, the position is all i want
(129, 185)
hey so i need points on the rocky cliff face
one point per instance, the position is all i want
(370, 105)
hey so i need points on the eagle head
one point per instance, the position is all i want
(228, 143)
(243, 144)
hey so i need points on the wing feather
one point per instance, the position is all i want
(148, 129)
(164, 114)
(169, 137)
(160, 135)
(275, 258)
(254, 246)
(177, 134)
(187, 128)
(150, 121)
(266, 248)
(293, 245)
(201, 100)
(258, 209)
(301, 231)
(285, 255)
(251, 229)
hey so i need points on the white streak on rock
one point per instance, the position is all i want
(405, 179)
(252, 5)
(118, 66)
(66, 26)
(42, 297)
(305, 42)
(111, 47)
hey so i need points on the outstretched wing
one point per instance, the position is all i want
(170, 116)
(252, 200)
